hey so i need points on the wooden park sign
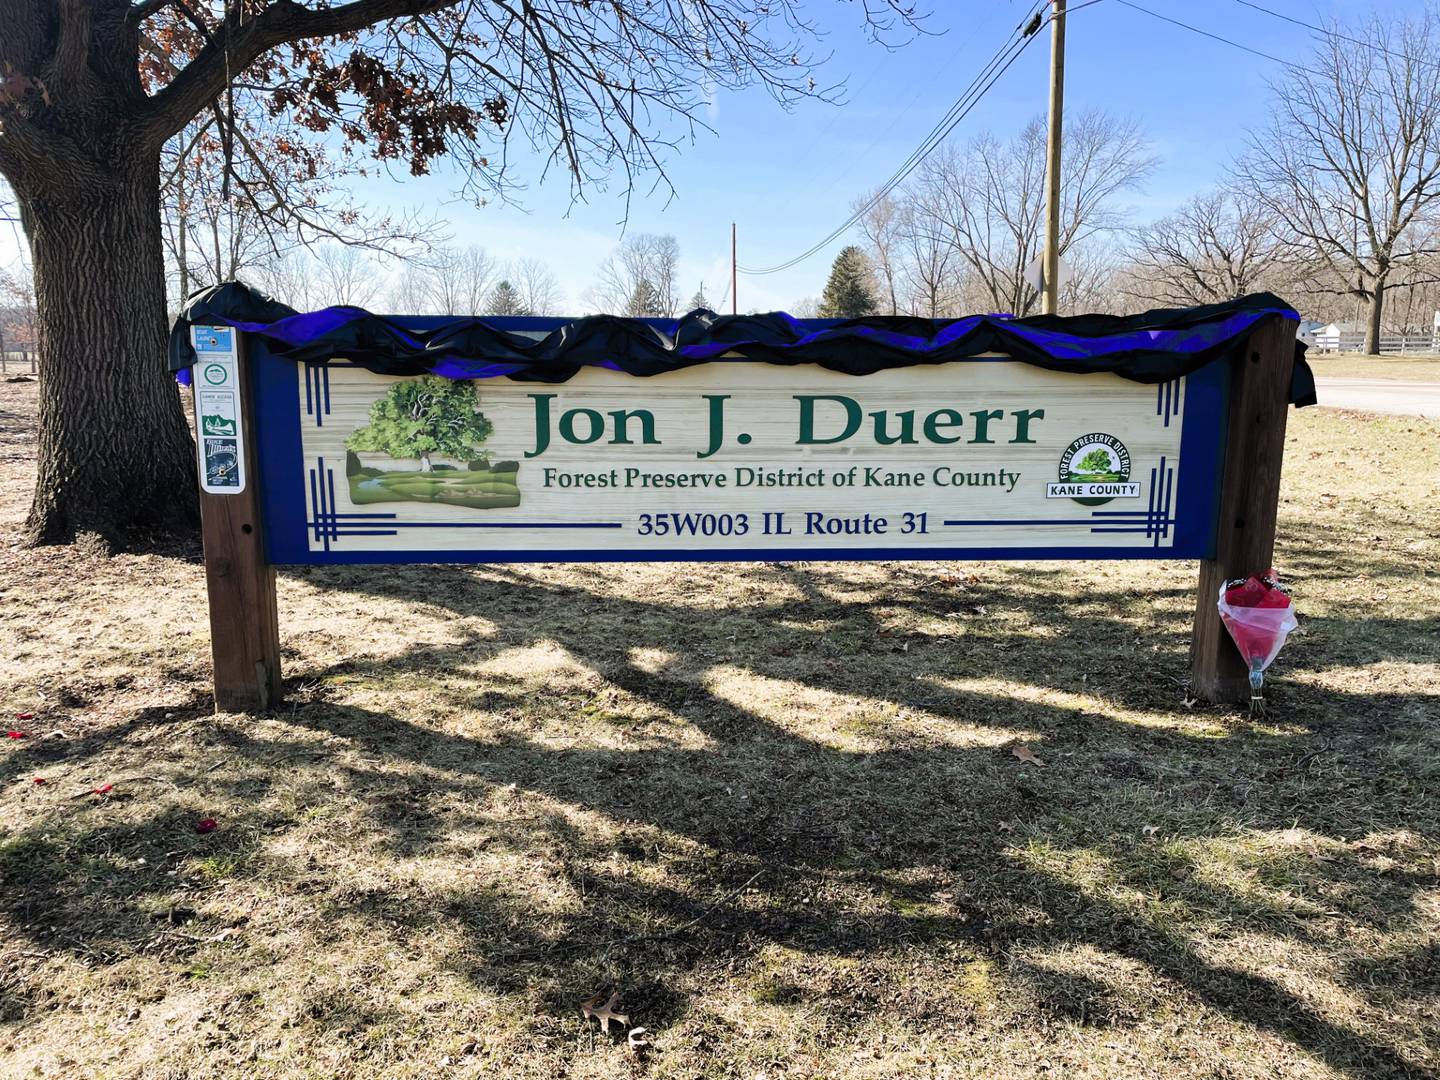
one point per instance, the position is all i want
(324, 461)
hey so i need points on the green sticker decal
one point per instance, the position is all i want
(1094, 469)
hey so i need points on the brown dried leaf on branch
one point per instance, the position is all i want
(1026, 755)
(594, 1010)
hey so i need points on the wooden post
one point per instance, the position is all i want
(1249, 502)
(1050, 254)
(244, 625)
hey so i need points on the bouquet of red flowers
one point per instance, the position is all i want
(1259, 616)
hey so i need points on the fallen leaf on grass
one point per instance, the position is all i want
(15, 734)
(205, 825)
(24, 716)
(592, 1009)
(103, 789)
(1026, 755)
(41, 780)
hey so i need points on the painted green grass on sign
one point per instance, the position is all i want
(487, 488)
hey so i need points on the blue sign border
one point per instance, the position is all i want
(1194, 492)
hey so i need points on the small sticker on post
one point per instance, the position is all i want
(220, 435)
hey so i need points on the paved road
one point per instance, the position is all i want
(1405, 397)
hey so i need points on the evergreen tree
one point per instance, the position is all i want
(505, 300)
(699, 301)
(849, 293)
(645, 302)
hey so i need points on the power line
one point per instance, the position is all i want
(1288, 64)
(927, 144)
(1332, 33)
(1006, 55)
(898, 118)
(1206, 33)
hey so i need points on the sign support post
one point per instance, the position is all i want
(1249, 503)
(244, 624)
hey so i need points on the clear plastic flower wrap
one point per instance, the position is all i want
(1259, 615)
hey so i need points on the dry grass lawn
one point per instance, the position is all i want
(1355, 366)
(773, 806)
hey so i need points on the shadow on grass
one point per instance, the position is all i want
(812, 827)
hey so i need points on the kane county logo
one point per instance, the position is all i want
(1094, 469)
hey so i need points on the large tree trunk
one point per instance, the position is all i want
(116, 459)
(1377, 310)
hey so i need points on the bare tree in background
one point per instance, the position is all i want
(639, 278)
(17, 311)
(407, 294)
(93, 91)
(540, 293)
(242, 190)
(879, 225)
(329, 274)
(1093, 282)
(347, 275)
(988, 199)
(930, 267)
(1349, 163)
(1217, 246)
(290, 278)
(456, 281)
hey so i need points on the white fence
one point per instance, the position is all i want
(1394, 344)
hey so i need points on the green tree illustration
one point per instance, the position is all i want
(1096, 461)
(425, 416)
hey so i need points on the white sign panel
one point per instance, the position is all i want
(988, 457)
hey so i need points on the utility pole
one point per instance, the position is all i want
(1050, 272)
(734, 276)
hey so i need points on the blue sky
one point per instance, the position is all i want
(788, 178)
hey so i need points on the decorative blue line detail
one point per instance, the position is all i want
(329, 524)
(1169, 491)
(314, 502)
(1167, 399)
(1141, 523)
(1150, 517)
(1162, 489)
(317, 391)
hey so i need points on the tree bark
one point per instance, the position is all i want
(116, 458)
(1377, 310)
